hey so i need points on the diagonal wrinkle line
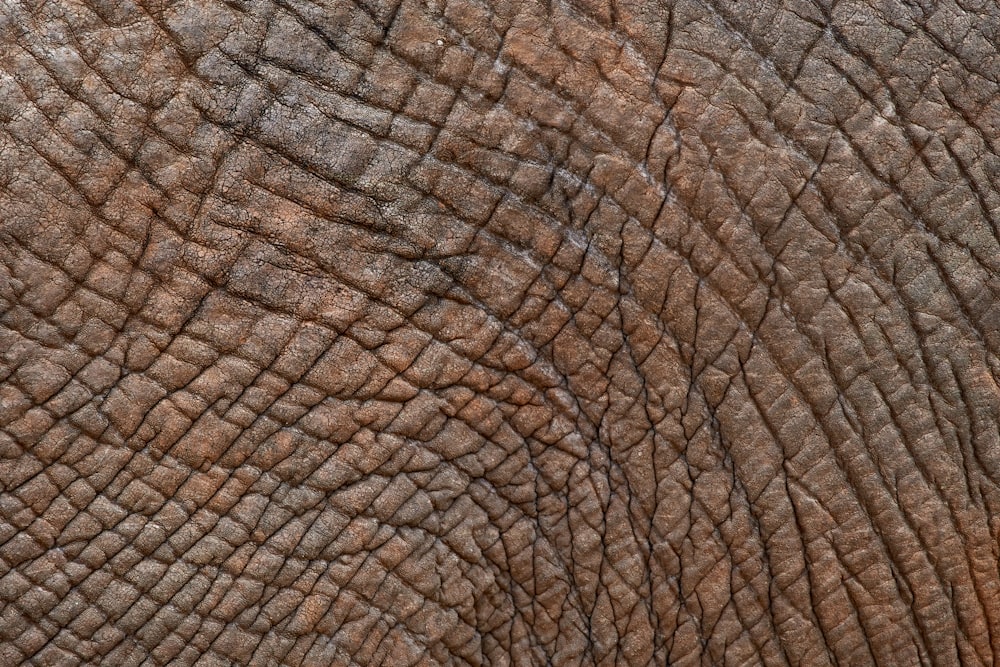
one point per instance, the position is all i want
(385, 611)
(904, 199)
(834, 378)
(907, 201)
(793, 205)
(972, 65)
(128, 160)
(907, 131)
(717, 532)
(959, 303)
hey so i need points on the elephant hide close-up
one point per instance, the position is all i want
(499, 333)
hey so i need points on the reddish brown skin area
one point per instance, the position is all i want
(641, 332)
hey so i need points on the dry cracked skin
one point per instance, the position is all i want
(641, 332)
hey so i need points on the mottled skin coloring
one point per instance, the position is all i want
(462, 332)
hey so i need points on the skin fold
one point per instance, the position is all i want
(460, 332)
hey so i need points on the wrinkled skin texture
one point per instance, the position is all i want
(461, 332)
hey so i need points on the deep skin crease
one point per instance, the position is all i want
(642, 332)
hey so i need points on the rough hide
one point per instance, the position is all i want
(458, 332)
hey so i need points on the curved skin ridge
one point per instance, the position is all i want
(354, 332)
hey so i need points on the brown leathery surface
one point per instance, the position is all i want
(473, 332)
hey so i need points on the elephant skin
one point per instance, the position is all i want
(642, 332)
